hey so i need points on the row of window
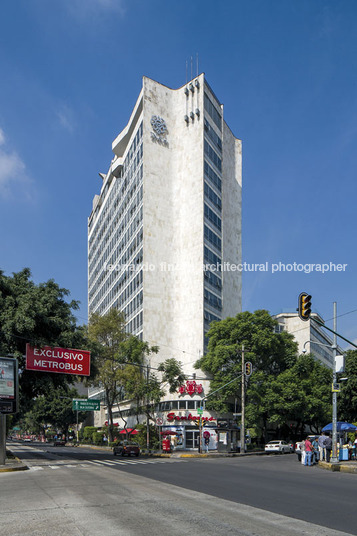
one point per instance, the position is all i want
(213, 238)
(212, 177)
(135, 325)
(210, 132)
(211, 258)
(212, 300)
(213, 112)
(212, 217)
(109, 257)
(213, 156)
(101, 293)
(101, 224)
(117, 220)
(208, 318)
(124, 295)
(213, 197)
(213, 280)
(133, 305)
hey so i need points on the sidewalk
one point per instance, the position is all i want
(12, 464)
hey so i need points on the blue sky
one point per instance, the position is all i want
(286, 73)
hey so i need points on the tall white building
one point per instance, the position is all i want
(164, 234)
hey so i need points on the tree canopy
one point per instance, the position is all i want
(40, 315)
(283, 388)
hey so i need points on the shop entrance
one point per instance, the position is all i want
(192, 439)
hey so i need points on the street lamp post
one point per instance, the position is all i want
(334, 457)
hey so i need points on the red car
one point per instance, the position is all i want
(126, 448)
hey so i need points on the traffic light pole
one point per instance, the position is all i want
(334, 458)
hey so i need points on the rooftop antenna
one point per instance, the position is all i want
(186, 70)
(197, 62)
(191, 68)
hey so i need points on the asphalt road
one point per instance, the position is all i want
(274, 484)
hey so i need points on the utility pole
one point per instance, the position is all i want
(147, 409)
(334, 458)
(242, 427)
(2, 438)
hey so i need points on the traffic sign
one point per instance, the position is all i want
(85, 404)
(200, 411)
(159, 421)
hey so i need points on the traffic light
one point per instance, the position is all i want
(304, 308)
(248, 368)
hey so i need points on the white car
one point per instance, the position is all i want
(277, 446)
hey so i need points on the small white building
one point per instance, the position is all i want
(311, 337)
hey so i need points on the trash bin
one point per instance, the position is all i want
(343, 455)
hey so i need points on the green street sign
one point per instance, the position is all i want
(200, 411)
(85, 405)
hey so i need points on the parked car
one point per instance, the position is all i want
(126, 448)
(59, 442)
(278, 446)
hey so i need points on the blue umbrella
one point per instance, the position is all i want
(341, 427)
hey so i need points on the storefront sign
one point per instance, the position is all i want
(191, 388)
(60, 360)
(172, 417)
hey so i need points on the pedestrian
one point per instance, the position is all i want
(315, 454)
(303, 452)
(308, 452)
(321, 440)
(328, 447)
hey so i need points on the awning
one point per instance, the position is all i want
(130, 431)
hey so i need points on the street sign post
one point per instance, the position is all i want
(83, 404)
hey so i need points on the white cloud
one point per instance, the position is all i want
(84, 8)
(66, 118)
(2, 137)
(14, 181)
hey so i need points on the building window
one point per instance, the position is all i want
(213, 156)
(213, 112)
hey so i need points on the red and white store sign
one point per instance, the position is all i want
(60, 360)
(191, 388)
(172, 417)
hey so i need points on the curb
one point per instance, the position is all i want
(336, 467)
(12, 468)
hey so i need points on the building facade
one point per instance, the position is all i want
(164, 234)
(311, 337)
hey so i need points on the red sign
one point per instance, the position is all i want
(191, 387)
(60, 360)
(172, 417)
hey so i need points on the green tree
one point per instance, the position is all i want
(270, 353)
(172, 374)
(55, 409)
(119, 360)
(347, 398)
(40, 315)
(300, 394)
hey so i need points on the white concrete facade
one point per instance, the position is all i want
(169, 205)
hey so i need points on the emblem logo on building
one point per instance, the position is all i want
(159, 131)
(191, 388)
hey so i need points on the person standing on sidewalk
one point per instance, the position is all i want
(322, 453)
(328, 447)
(303, 453)
(308, 452)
